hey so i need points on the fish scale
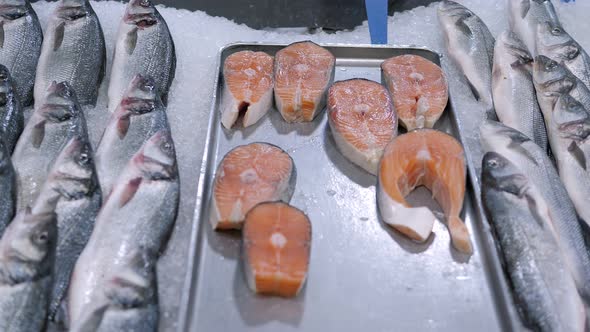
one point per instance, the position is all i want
(11, 112)
(8, 185)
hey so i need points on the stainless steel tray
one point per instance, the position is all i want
(363, 276)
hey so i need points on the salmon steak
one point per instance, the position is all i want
(303, 73)
(276, 248)
(248, 87)
(362, 121)
(419, 89)
(430, 158)
(248, 175)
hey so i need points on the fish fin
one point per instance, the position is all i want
(130, 190)
(38, 134)
(2, 34)
(525, 6)
(538, 208)
(578, 154)
(460, 24)
(123, 126)
(59, 35)
(473, 89)
(131, 41)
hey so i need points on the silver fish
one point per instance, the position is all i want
(542, 285)
(20, 45)
(27, 253)
(129, 301)
(73, 51)
(553, 79)
(525, 15)
(7, 187)
(50, 127)
(139, 116)
(73, 192)
(558, 210)
(555, 43)
(515, 99)
(139, 213)
(471, 45)
(11, 114)
(144, 46)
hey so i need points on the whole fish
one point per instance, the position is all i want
(73, 192)
(471, 45)
(144, 46)
(129, 300)
(139, 116)
(20, 45)
(27, 253)
(139, 213)
(559, 210)
(553, 79)
(7, 187)
(542, 285)
(515, 99)
(11, 114)
(525, 15)
(50, 127)
(555, 43)
(73, 51)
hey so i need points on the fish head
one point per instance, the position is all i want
(157, 158)
(571, 118)
(554, 41)
(494, 132)
(73, 175)
(513, 46)
(61, 103)
(501, 174)
(141, 96)
(141, 13)
(73, 10)
(551, 76)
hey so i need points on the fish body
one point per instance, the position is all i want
(515, 99)
(52, 125)
(27, 253)
(144, 46)
(139, 213)
(73, 51)
(534, 162)
(524, 16)
(11, 114)
(20, 45)
(7, 187)
(542, 285)
(471, 45)
(139, 116)
(73, 192)
(362, 120)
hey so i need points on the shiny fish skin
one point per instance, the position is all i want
(525, 15)
(140, 115)
(11, 114)
(144, 46)
(139, 213)
(73, 51)
(47, 131)
(542, 286)
(73, 192)
(521, 151)
(8, 188)
(553, 79)
(471, 45)
(20, 45)
(27, 253)
(515, 99)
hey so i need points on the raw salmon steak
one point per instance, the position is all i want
(362, 120)
(248, 86)
(303, 73)
(276, 247)
(423, 157)
(248, 175)
(419, 90)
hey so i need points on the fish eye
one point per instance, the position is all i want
(83, 159)
(167, 146)
(144, 3)
(3, 75)
(551, 65)
(573, 52)
(493, 163)
(556, 31)
(42, 237)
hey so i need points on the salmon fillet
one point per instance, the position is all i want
(276, 246)
(248, 175)
(419, 90)
(362, 121)
(248, 87)
(433, 159)
(303, 73)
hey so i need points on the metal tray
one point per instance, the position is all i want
(363, 276)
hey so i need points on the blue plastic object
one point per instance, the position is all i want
(377, 15)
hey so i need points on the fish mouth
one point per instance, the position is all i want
(141, 20)
(138, 106)
(72, 12)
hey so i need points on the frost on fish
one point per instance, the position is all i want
(303, 74)
(248, 175)
(248, 87)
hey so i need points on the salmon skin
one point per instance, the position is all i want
(362, 121)
(419, 89)
(276, 249)
(248, 175)
(433, 159)
(303, 73)
(248, 86)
